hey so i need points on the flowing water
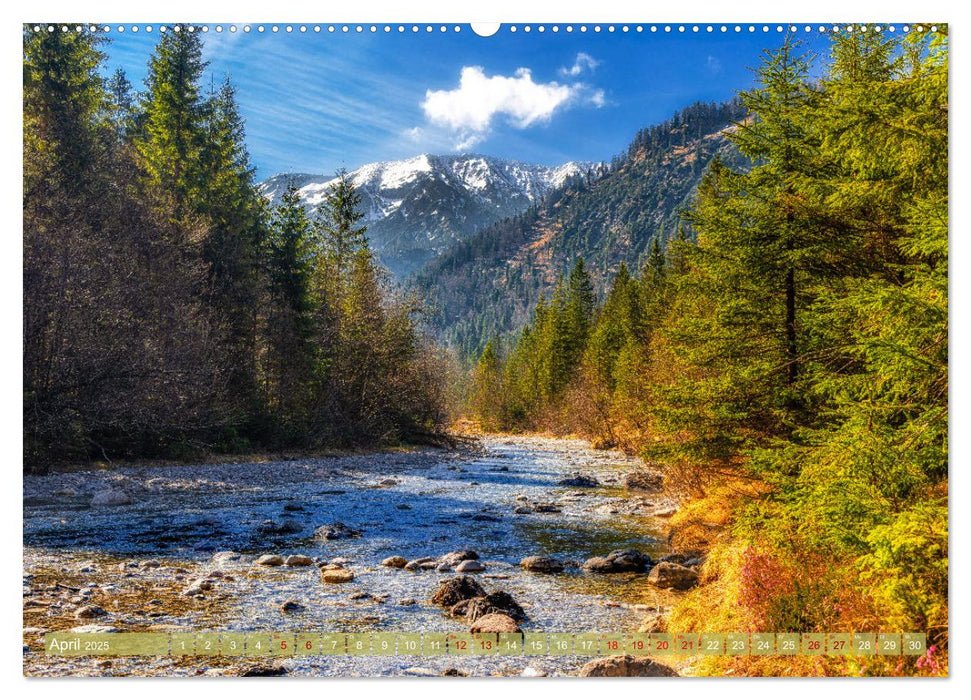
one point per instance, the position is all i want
(420, 504)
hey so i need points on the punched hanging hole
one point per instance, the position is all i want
(485, 28)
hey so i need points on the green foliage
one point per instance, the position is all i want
(794, 350)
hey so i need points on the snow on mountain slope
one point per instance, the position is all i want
(416, 208)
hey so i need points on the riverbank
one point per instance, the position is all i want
(180, 551)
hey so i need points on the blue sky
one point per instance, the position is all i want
(314, 102)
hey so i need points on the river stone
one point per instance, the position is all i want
(470, 566)
(288, 526)
(643, 480)
(579, 480)
(455, 590)
(270, 560)
(497, 602)
(335, 531)
(652, 623)
(88, 612)
(261, 670)
(629, 560)
(149, 564)
(290, 606)
(458, 556)
(443, 568)
(626, 666)
(197, 587)
(546, 565)
(547, 508)
(598, 565)
(111, 497)
(227, 556)
(494, 623)
(417, 564)
(336, 576)
(618, 561)
(298, 560)
(395, 562)
(523, 510)
(670, 575)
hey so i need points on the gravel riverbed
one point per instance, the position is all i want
(137, 562)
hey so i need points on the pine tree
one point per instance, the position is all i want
(236, 219)
(171, 141)
(122, 104)
(341, 234)
(290, 356)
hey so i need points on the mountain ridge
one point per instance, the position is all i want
(418, 207)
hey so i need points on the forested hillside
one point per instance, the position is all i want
(168, 310)
(488, 284)
(788, 368)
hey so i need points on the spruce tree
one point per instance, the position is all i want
(171, 141)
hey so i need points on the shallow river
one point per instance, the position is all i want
(421, 504)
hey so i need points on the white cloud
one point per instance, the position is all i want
(416, 134)
(584, 61)
(714, 65)
(470, 109)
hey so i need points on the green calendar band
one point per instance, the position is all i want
(466, 644)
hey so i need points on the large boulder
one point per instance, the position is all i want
(111, 497)
(498, 602)
(494, 623)
(643, 480)
(544, 565)
(629, 560)
(626, 666)
(335, 531)
(667, 574)
(618, 561)
(455, 590)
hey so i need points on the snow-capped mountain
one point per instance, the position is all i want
(416, 208)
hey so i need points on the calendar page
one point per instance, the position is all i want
(519, 350)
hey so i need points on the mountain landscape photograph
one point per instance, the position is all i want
(574, 350)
